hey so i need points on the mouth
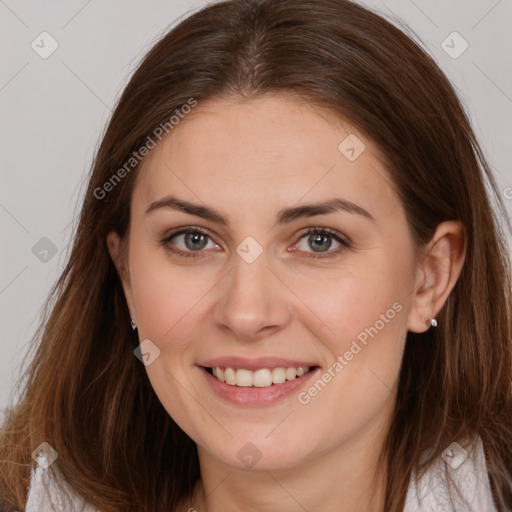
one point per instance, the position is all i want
(261, 378)
(257, 381)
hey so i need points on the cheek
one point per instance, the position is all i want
(168, 300)
(167, 296)
(361, 323)
(363, 362)
(349, 301)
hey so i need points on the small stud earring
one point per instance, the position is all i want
(430, 322)
(133, 324)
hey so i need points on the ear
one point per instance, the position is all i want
(437, 273)
(121, 263)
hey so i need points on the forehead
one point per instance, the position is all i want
(261, 152)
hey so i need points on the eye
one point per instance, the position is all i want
(190, 242)
(320, 239)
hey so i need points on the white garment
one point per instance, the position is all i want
(45, 496)
(469, 475)
(430, 496)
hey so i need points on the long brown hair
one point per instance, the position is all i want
(88, 396)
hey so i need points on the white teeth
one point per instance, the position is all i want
(278, 375)
(243, 378)
(260, 378)
(230, 375)
(290, 373)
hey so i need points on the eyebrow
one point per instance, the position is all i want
(284, 216)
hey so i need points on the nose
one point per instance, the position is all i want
(253, 301)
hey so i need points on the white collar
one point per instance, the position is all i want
(430, 494)
(468, 471)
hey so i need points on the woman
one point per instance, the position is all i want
(288, 289)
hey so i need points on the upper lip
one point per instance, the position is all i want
(255, 363)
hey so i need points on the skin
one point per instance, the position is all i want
(249, 159)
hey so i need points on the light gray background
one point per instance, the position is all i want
(54, 110)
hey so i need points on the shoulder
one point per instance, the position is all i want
(467, 470)
(48, 493)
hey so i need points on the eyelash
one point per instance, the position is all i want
(314, 256)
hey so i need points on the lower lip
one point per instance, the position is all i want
(242, 395)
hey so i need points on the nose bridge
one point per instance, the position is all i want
(252, 299)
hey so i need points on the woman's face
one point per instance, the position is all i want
(249, 289)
